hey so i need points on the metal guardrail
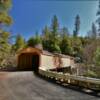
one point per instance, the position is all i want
(71, 79)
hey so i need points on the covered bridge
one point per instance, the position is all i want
(33, 58)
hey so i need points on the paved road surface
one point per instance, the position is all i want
(27, 86)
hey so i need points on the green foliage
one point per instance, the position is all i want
(51, 45)
(4, 42)
(30, 42)
(65, 45)
(92, 34)
(77, 46)
(5, 19)
(37, 38)
(97, 57)
(46, 33)
(94, 31)
(84, 41)
(46, 38)
(5, 5)
(98, 19)
(55, 25)
(50, 39)
(33, 41)
(19, 43)
(5, 46)
(77, 26)
(55, 48)
(90, 74)
(54, 40)
(65, 31)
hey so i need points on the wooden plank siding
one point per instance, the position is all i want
(25, 56)
(25, 61)
(46, 60)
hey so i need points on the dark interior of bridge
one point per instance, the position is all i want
(28, 61)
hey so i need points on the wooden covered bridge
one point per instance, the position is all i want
(33, 58)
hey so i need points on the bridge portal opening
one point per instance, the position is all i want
(28, 61)
(35, 62)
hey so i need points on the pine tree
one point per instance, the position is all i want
(65, 31)
(77, 46)
(65, 45)
(46, 37)
(46, 33)
(30, 42)
(97, 56)
(92, 34)
(35, 41)
(54, 42)
(94, 31)
(77, 26)
(54, 30)
(19, 43)
(55, 25)
(50, 38)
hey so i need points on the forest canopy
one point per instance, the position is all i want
(53, 39)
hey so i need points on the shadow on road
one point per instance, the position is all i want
(72, 87)
(13, 69)
(8, 69)
(63, 85)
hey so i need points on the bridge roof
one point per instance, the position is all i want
(44, 52)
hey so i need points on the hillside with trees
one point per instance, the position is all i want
(53, 38)
(5, 21)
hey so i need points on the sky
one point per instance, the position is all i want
(30, 16)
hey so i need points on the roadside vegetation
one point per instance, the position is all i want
(53, 38)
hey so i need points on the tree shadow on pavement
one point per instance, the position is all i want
(72, 87)
(13, 69)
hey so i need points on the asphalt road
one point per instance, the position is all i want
(27, 86)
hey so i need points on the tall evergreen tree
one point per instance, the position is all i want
(65, 31)
(77, 26)
(65, 44)
(77, 46)
(97, 56)
(51, 40)
(54, 30)
(37, 38)
(19, 43)
(94, 31)
(46, 33)
(46, 37)
(34, 41)
(30, 42)
(92, 34)
(55, 25)
(54, 42)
